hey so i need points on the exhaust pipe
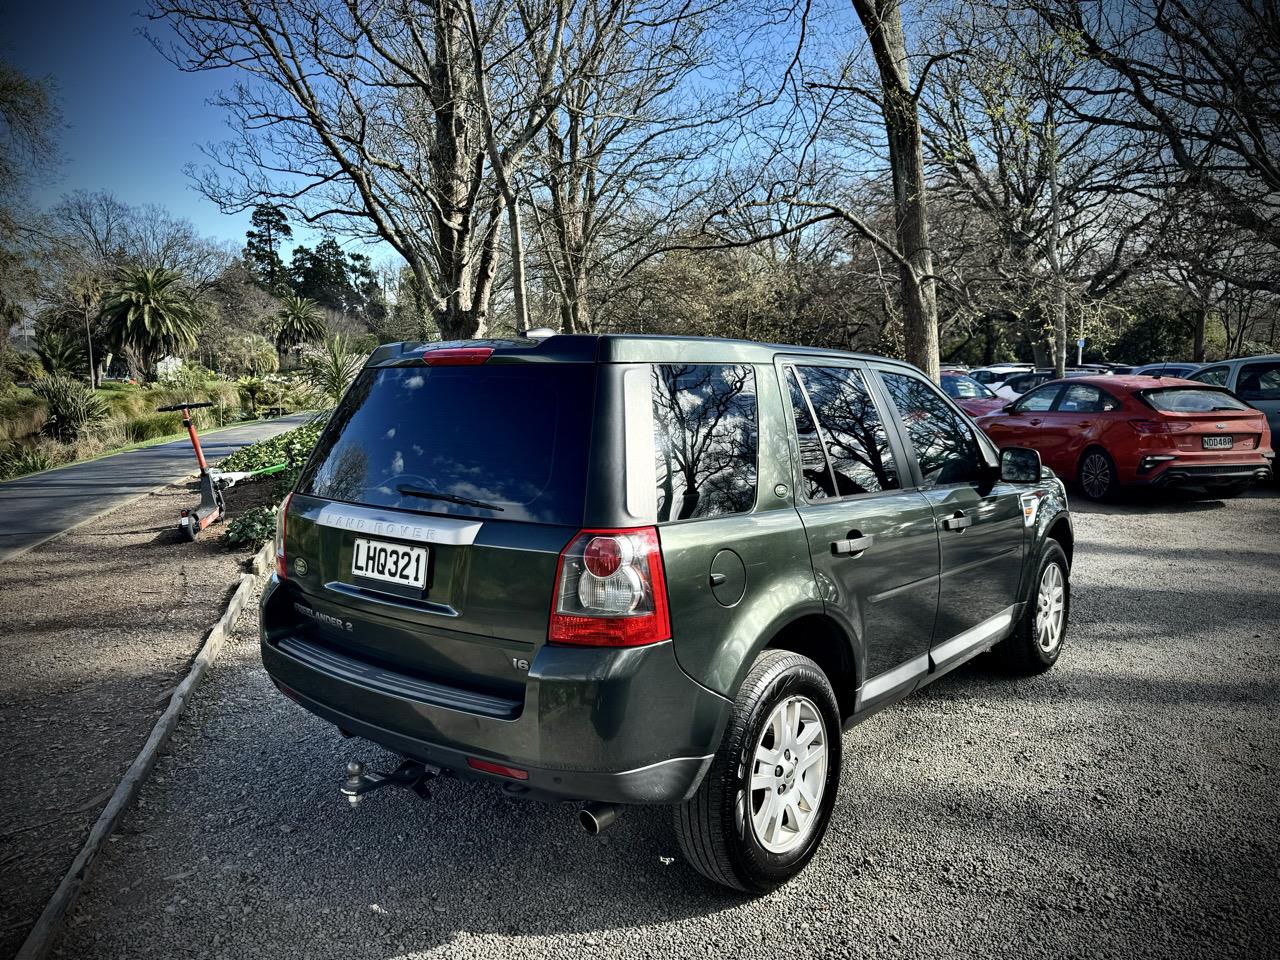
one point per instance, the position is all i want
(596, 818)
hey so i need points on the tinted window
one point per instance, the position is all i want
(945, 446)
(1191, 400)
(1259, 381)
(854, 436)
(818, 484)
(1038, 401)
(1081, 398)
(514, 436)
(1215, 375)
(705, 439)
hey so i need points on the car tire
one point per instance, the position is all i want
(1037, 640)
(717, 828)
(1097, 475)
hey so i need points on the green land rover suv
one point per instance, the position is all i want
(627, 569)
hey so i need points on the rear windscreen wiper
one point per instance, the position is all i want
(448, 498)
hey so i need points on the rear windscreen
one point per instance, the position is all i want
(513, 437)
(1191, 400)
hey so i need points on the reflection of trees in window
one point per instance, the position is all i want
(326, 469)
(705, 439)
(345, 476)
(945, 447)
(813, 461)
(857, 444)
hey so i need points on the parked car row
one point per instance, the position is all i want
(1111, 431)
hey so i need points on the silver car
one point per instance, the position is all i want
(1255, 380)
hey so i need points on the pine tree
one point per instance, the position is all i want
(262, 249)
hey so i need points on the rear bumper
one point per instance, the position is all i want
(615, 725)
(1174, 474)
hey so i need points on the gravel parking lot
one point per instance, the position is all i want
(1124, 805)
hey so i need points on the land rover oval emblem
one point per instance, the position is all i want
(300, 567)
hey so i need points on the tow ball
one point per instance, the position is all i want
(411, 775)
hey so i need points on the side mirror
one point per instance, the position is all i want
(1008, 407)
(1019, 465)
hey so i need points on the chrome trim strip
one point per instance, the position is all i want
(401, 526)
(984, 634)
(878, 686)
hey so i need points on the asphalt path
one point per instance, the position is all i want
(36, 508)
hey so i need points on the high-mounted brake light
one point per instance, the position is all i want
(456, 356)
(611, 590)
(282, 566)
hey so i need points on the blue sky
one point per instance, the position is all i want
(131, 120)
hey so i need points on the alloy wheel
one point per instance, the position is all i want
(788, 775)
(1095, 475)
(1051, 602)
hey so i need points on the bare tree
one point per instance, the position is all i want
(362, 115)
(1202, 79)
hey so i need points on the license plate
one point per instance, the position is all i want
(1217, 443)
(390, 562)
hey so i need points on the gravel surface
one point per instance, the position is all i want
(98, 627)
(1123, 805)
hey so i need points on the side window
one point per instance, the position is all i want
(1081, 398)
(854, 436)
(943, 441)
(818, 484)
(1038, 401)
(1215, 375)
(1259, 381)
(705, 439)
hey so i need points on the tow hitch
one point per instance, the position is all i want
(411, 775)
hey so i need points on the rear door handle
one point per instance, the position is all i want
(957, 521)
(1035, 422)
(853, 546)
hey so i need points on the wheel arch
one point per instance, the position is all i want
(824, 641)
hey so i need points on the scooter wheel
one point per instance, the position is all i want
(190, 529)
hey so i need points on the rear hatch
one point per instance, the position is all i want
(1203, 422)
(425, 530)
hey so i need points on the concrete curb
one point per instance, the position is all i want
(45, 932)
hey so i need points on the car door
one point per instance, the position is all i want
(1258, 384)
(1020, 427)
(1071, 424)
(873, 543)
(982, 532)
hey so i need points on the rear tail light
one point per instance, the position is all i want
(456, 356)
(282, 567)
(1149, 427)
(611, 590)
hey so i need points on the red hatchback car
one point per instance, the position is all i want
(1107, 432)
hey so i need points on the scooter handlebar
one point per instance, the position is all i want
(184, 406)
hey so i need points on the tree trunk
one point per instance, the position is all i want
(882, 20)
(1197, 342)
(1058, 311)
(519, 289)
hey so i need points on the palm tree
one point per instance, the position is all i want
(298, 322)
(332, 372)
(57, 354)
(149, 312)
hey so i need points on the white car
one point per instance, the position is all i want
(998, 373)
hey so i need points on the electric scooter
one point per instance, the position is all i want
(213, 482)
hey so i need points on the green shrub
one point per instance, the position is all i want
(72, 407)
(293, 447)
(255, 526)
(148, 426)
(19, 459)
